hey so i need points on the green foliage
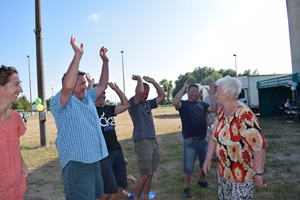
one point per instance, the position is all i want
(167, 87)
(212, 78)
(48, 103)
(21, 104)
(249, 73)
(227, 72)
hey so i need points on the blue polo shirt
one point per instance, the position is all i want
(79, 136)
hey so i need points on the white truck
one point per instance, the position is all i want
(249, 93)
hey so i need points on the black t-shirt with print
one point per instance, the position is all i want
(107, 122)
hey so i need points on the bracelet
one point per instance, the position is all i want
(258, 174)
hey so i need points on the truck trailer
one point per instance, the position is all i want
(249, 93)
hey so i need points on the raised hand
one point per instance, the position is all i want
(148, 79)
(113, 86)
(89, 78)
(75, 47)
(135, 77)
(103, 55)
(186, 82)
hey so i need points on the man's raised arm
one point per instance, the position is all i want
(178, 96)
(103, 81)
(70, 78)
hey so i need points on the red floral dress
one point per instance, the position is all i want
(12, 180)
(237, 138)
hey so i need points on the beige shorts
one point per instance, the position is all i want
(147, 155)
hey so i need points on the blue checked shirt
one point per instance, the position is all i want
(79, 136)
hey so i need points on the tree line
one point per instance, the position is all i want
(201, 75)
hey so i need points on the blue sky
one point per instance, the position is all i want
(160, 38)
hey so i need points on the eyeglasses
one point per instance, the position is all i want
(4, 67)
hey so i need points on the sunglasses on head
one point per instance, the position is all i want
(4, 67)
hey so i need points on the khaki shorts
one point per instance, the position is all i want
(147, 155)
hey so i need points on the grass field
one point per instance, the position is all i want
(282, 169)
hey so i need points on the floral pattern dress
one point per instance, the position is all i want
(13, 181)
(236, 139)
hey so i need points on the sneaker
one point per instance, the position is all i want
(130, 196)
(204, 184)
(187, 193)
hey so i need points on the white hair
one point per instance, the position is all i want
(228, 83)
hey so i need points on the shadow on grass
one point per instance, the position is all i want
(167, 116)
(44, 181)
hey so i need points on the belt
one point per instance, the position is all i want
(197, 138)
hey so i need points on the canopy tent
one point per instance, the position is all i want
(272, 91)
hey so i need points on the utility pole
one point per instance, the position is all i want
(29, 84)
(40, 72)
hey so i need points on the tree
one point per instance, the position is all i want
(167, 87)
(227, 72)
(248, 73)
(212, 78)
(21, 104)
(48, 103)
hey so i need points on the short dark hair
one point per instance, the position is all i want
(5, 74)
(146, 85)
(193, 85)
(80, 73)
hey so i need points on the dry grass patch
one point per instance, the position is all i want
(281, 172)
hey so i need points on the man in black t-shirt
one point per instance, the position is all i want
(113, 168)
(193, 115)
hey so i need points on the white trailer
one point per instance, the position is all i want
(249, 93)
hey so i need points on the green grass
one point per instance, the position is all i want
(282, 168)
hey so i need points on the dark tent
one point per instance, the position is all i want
(272, 91)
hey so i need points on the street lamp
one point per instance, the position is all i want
(123, 72)
(29, 84)
(52, 92)
(235, 64)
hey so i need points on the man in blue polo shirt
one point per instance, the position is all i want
(80, 142)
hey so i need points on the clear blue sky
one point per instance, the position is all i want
(160, 38)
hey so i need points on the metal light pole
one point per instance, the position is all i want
(123, 72)
(235, 64)
(52, 92)
(29, 84)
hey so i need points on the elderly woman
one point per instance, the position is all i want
(13, 171)
(239, 145)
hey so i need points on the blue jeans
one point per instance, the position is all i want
(193, 148)
(82, 181)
